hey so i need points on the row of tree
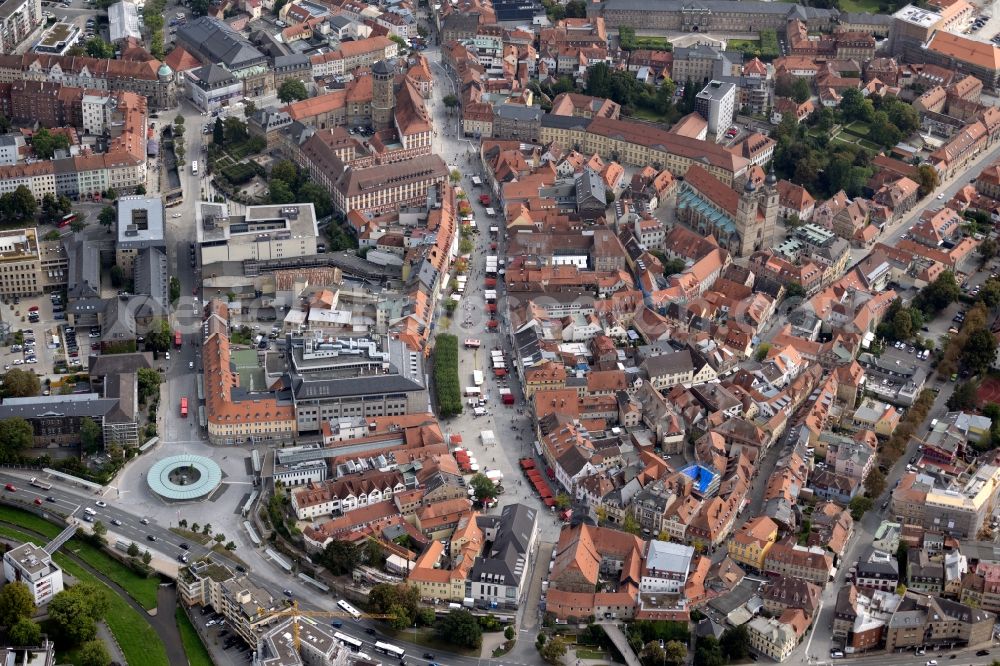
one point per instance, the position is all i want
(447, 387)
(72, 615)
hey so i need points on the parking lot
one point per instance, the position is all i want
(225, 646)
(41, 340)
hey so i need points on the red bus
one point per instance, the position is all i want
(184, 407)
(67, 220)
(177, 339)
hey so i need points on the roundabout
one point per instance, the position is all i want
(184, 477)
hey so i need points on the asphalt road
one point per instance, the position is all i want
(72, 501)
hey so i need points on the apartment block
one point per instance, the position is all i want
(32, 566)
(240, 602)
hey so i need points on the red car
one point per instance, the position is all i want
(33, 308)
(10, 487)
(38, 501)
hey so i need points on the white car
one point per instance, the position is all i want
(940, 196)
(101, 503)
(191, 364)
(18, 361)
(168, 356)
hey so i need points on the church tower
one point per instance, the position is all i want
(757, 215)
(748, 226)
(383, 95)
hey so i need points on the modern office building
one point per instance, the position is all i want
(716, 103)
(261, 233)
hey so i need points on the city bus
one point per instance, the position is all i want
(349, 609)
(353, 643)
(472, 343)
(194, 167)
(390, 650)
(67, 220)
(177, 339)
(184, 406)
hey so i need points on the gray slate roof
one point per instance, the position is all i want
(216, 42)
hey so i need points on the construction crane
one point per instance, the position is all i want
(295, 612)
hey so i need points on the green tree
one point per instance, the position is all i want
(673, 267)
(16, 435)
(175, 289)
(147, 557)
(484, 487)
(149, 383)
(280, 193)
(16, 603)
(708, 652)
(90, 435)
(939, 294)
(859, 506)
(75, 611)
(158, 337)
(902, 325)
(218, 133)
(340, 557)
(450, 101)
(45, 144)
(875, 482)
(219, 537)
(979, 350)
(675, 652)
(235, 130)
(928, 179)
(230, 545)
(19, 383)
(18, 206)
(630, 525)
(963, 397)
(310, 192)
(287, 172)
(459, 627)
(133, 550)
(987, 249)
(734, 643)
(292, 90)
(107, 217)
(554, 650)
(509, 633)
(93, 653)
(100, 530)
(98, 48)
(800, 90)
(25, 633)
(652, 654)
(400, 617)
(563, 501)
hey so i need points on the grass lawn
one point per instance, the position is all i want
(195, 650)
(654, 43)
(424, 636)
(646, 114)
(143, 590)
(858, 128)
(197, 537)
(870, 6)
(29, 521)
(741, 44)
(870, 145)
(587, 653)
(137, 639)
